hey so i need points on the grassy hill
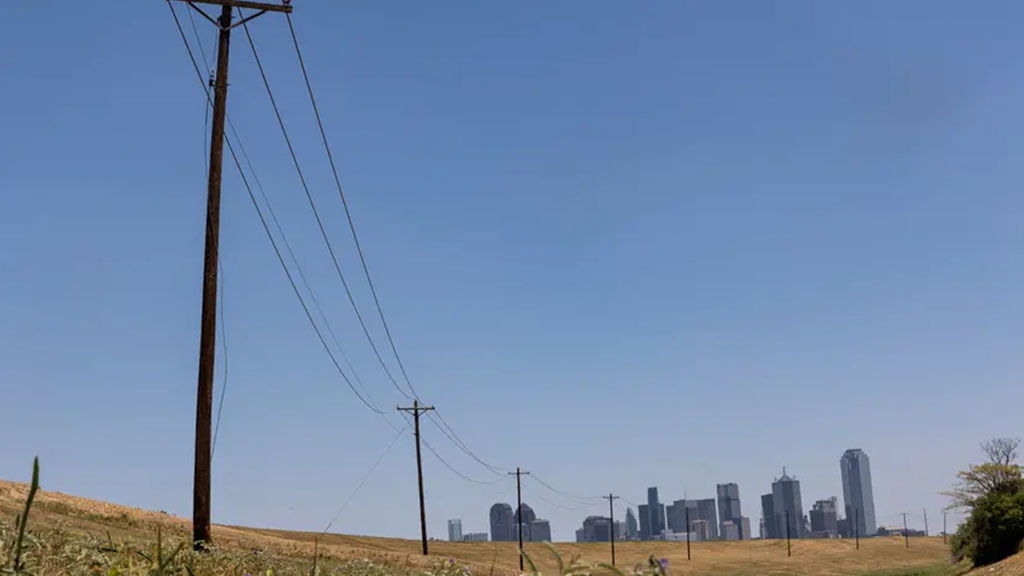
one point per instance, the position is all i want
(79, 536)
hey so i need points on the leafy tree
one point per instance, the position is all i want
(994, 493)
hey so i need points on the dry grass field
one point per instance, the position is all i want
(291, 552)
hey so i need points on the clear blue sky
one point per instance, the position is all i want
(620, 245)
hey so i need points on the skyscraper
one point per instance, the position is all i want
(675, 516)
(455, 530)
(729, 507)
(501, 523)
(768, 517)
(706, 511)
(528, 517)
(652, 516)
(632, 529)
(857, 493)
(788, 504)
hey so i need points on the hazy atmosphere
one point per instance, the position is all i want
(619, 245)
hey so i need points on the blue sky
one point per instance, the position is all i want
(619, 244)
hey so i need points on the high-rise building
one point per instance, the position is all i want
(857, 493)
(527, 522)
(455, 530)
(632, 528)
(768, 517)
(729, 507)
(501, 523)
(824, 518)
(675, 516)
(652, 516)
(789, 508)
(540, 531)
(677, 513)
(706, 511)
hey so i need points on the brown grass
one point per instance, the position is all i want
(761, 558)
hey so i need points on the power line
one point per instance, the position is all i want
(544, 499)
(363, 481)
(450, 433)
(266, 228)
(316, 212)
(454, 438)
(348, 213)
(224, 347)
(582, 500)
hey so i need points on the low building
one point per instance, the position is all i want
(730, 530)
(540, 531)
(700, 530)
(474, 537)
(670, 536)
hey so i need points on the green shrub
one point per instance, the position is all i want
(995, 528)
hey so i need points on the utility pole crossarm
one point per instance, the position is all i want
(283, 7)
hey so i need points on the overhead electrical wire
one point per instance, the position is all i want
(316, 211)
(366, 477)
(362, 395)
(344, 202)
(582, 500)
(447, 428)
(266, 228)
(542, 498)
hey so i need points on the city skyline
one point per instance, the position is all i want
(721, 517)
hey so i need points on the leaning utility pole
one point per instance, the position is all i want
(416, 410)
(906, 533)
(208, 318)
(611, 519)
(519, 510)
(925, 510)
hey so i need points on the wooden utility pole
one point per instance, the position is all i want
(906, 532)
(416, 410)
(519, 510)
(856, 526)
(925, 511)
(686, 513)
(208, 319)
(611, 518)
(943, 525)
(789, 545)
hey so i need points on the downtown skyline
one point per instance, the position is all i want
(720, 516)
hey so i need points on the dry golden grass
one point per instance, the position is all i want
(761, 558)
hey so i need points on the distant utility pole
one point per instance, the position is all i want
(943, 525)
(856, 526)
(519, 510)
(208, 317)
(789, 545)
(925, 510)
(686, 513)
(611, 518)
(906, 533)
(416, 410)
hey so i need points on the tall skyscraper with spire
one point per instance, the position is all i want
(789, 507)
(857, 493)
